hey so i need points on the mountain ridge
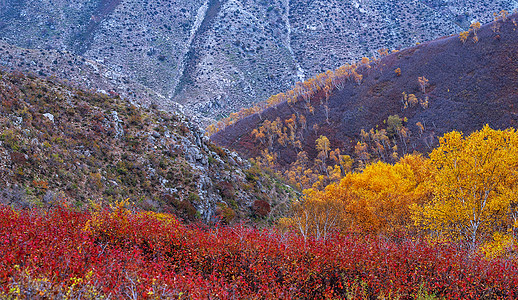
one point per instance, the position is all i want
(248, 51)
(468, 84)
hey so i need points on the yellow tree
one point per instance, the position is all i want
(259, 134)
(423, 83)
(424, 103)
(316, 215)
(362, 152)
(404, 100)
(475, 27)
(211, 129)
(346, 164)
(292, 125)
(421, 128)
(302, 121)
(323, 145)
(412, 99)
(335, 155)
(376, 200)
(283, 136)
(463, 36)
(296, 173)
(474, 187)
(267, 159)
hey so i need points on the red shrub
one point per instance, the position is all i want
(120, 254)
(261, 208)
(18, 158)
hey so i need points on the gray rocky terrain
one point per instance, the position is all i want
(213, 56)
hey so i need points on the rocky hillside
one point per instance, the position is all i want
(399, 104)
(81, 72)
(216, 56)
(60, 143)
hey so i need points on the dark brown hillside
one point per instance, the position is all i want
(469, 84)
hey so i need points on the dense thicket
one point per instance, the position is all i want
(114, 253)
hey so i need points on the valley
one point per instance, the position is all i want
(354, 150)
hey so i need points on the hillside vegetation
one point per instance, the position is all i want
(113, 253)
(394, 177)
(83, 73)
(59, 143)
(437, 228)
(350, 140)
(463, 193)
(382, 109)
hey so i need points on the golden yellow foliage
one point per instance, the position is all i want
(463, 36)
(323, 145)
(475, 26)
(474, 186)
(100, 221)
(424, 103)
(499, 246)
(412, 99)
(316, 215)
(361, 151)
(423, 83)
(376, 200)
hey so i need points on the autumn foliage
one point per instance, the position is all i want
(465, 192)
(321, 85)
(376, 200)
(116, 253)
(475, 187)
(391, 231)
(498, 19)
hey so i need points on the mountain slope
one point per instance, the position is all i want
(60, 143)
(466, 85)
(216, 56)
(81, 72)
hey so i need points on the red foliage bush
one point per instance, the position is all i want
(226, 190)
(120, 254)
(261, 208)
(18, 158)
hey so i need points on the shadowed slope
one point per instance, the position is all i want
(469, 84)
